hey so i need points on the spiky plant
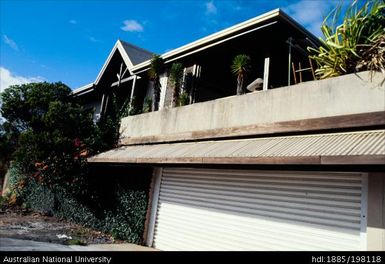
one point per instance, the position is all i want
(176, 75)
(156, 68)
(240, 67)
(357, 44)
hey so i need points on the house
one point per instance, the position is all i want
(290, 167)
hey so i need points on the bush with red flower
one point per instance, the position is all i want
(52, 134)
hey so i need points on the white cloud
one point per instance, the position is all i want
(310, 13)
(211, 8)
(73, 21)
(7, 78)
(132, 26)
(10, 42)
(93, 39)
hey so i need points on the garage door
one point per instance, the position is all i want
(212, 209)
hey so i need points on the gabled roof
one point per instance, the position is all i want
(131, 56)
(136, 54)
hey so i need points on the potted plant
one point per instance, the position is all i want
(176, 75)
(156, 68)
(240, 67)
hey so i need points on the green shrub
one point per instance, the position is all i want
(134, 107)
(147, 105)
(358, 44)
(72, 210)
(39, 198)
(16, 181)
(3, 203)
(183, 99)
(77, 242)
(127, 221)
(124, 219)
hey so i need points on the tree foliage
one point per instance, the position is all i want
(357, 44)
(49, 136)
(6, 149)
(50, 133)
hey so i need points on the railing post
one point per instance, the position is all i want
(266, 74)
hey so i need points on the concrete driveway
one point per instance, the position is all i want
(11, 244)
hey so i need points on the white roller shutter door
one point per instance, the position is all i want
(218, 209)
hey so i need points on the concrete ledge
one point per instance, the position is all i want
(278, 110)
(376, 119)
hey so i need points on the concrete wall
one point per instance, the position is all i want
(345, 95)
(376, 211)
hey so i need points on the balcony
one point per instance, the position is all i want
(347, 101)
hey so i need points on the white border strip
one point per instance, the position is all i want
(154, 206)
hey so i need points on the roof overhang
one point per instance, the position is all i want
(351, 148)
(226, 34)
(83, 90)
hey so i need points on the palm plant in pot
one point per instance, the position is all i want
(176, 75)
(156, 68)
(240, 67)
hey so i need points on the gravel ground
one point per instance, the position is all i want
(21, 224)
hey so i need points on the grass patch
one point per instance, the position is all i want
(76, 242)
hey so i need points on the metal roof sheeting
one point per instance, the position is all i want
(363, 147)
(136, 54)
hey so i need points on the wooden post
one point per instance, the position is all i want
(300, 72)
(120, 74)
(294, 73)
(266, 74)
(102, 103)
(312, 69)
(105, 104)
(132, 89)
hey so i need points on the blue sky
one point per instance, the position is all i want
(70, 40)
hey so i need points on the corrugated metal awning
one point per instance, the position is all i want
(363, 147)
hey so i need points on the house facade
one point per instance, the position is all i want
(289, 167)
